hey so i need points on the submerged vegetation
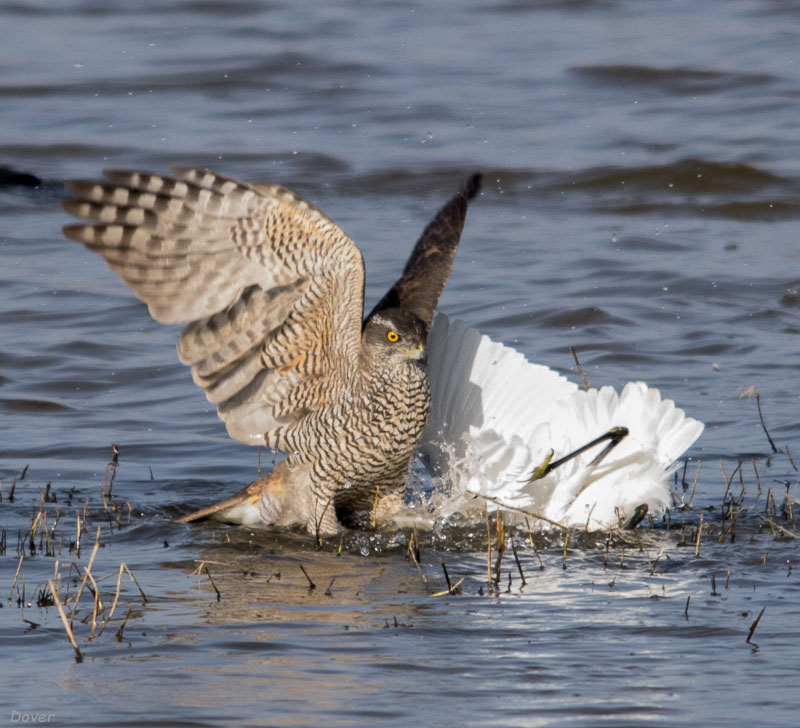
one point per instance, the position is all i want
(52, 562)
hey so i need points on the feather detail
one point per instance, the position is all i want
(496, 417)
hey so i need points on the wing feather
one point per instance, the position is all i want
(272, 288)
(428, 268)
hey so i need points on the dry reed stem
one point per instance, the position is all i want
(694, 484)
(66, 622)
(122, 626)
(124, 567)
(788, 502)
(453, 589)
(86, 576)
(774, 525)
(114, 603)
(731, 526)
(16, 576)
(655, 563)
(699, 534)
(524, 512)
(488, 549)
(138, 585)
(413, 545)
(725, 479)
(585, 381)
(501, 546)
(791, 459)
(96, 606)
(758, 478)
(201, 564)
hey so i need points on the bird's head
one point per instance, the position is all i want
(395, 336)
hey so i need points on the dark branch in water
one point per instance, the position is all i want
(111, 470)
(311, 584)
(519, 565)
(753, 391)
(754, 625)
(208, 574)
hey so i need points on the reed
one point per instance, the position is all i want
(519, 565)
(414, 553)
(454, 588)
(523, 511)
(694, 484)
(789, 455)
(87, 574)
(488, 549)
(501, 546)
(216, 591)
(699, 534)
(752, 391)
(775, 527)
(311, 584)
(584, 380)
(66, 622)
(758, 478)
(16, 576)
(753, 627)
(121, 628)
(447, 577)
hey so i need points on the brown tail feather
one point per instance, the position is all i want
(269, 484)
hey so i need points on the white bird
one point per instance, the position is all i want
(496, 418)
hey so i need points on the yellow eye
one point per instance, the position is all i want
(392, 336)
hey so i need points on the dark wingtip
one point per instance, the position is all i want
(473, 186)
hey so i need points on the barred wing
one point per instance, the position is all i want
(272, 287)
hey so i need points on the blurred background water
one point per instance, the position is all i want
(640, 204)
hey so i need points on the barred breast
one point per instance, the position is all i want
(364, 449)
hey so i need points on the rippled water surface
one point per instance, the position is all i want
(641, 203)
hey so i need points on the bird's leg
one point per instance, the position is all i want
(615, 435)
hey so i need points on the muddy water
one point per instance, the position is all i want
(640, 204)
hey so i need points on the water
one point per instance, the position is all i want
(640, 204)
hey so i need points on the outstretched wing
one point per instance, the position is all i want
(431, 261)
(273, 289)
(495, 417)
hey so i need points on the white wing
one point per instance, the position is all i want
(495, 417)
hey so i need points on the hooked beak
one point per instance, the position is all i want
(418, 353)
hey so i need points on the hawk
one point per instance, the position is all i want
(272, 292)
